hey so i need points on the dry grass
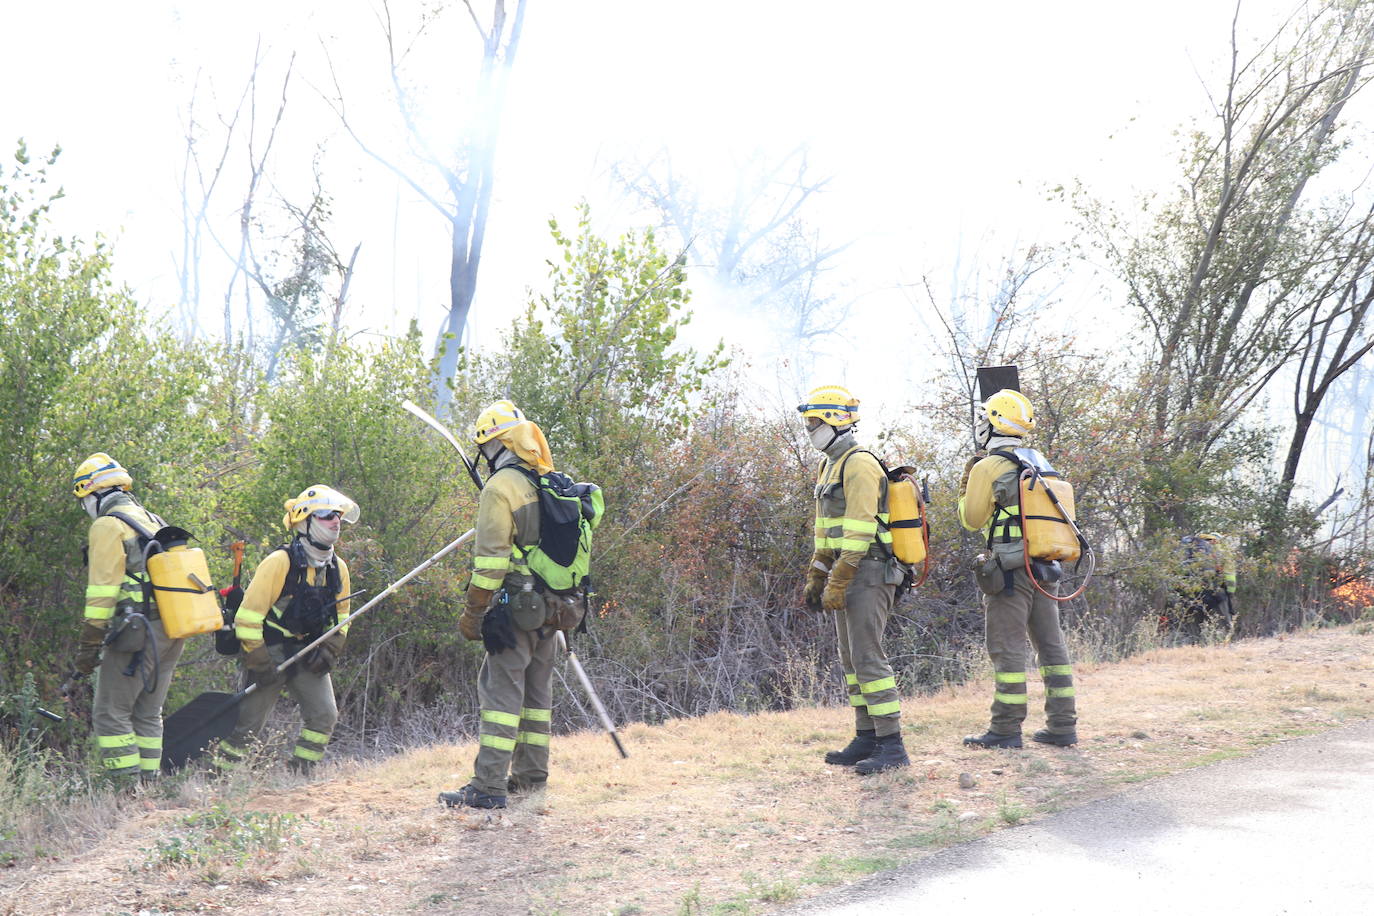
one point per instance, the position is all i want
(721, 814)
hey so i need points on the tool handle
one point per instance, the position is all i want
(454, 545)
(601, 713)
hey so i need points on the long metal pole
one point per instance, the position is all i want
(601, 713)
(367, 607)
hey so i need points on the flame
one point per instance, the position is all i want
(1356, 594)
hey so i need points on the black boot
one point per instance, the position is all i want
(472, 797)
(300, 766)
(525, 786)
(890, 755)
(1058, 739)
(860, 748)
(991, 739)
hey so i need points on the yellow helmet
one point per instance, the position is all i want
(319, 498)
(1209, 536)
(832, 404)
(496, 420)
(99, 472)
(1009, 413)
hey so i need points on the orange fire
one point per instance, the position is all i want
(1355, 594)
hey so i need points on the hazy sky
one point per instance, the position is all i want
(942, 126)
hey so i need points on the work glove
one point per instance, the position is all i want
(841, 574)
(257, 661)
(88, 652)
(320, 660)
(968, 469)
(74, 686)
(498, 631)
(325, 656)
(470, 624)
(815, 584)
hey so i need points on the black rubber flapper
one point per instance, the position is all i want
(187, 732)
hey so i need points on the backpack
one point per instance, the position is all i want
(1200, 557)
(906, 514)
(178, 579)
(568, 514)
(1049, 532)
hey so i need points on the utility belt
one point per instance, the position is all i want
(1004, 559)
(532, 608)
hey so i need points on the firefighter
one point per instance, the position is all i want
(1208, 584)
(122, 635)
(297, 593)
(1014, 608)
(515, 683)
(854, 575)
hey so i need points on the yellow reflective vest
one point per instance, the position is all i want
(851, 513)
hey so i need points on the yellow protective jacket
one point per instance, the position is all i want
(993, 482)
(115, 561)
(263, 601)
(851, 514)
(1228, 568)
(507, 518)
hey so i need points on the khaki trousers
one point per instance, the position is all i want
(314, 693)
(127, 719)
(515, 691)
(867, 673)
(1011, 618)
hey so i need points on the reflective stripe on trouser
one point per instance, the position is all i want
(1011, 618)
(126, 719)
(314, 693)
(515, 691)
(872, 687)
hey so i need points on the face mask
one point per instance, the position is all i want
(325, 537)
(90, 504)
(491, 450)
(822, 436)
(983, 432)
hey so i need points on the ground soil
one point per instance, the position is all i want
(725, 813)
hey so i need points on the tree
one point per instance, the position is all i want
(596, 358)
(83, 369)
(1336, 338)
(756, 240)
(466, 170)
(1221, 276)
(295, 290)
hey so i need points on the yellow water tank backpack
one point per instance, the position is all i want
(906, 512)
(907, 520)
(1049, 531)
(178, 580)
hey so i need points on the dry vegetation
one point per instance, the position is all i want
(720, 814)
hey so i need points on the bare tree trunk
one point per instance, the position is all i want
(473, 200)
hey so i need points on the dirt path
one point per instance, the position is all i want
(723, 814)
